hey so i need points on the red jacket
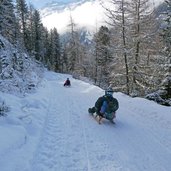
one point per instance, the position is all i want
(67, 83)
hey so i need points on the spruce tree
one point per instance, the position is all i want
(166, 34)
(8, 20)
(22, 17)
(37, 25)
(57, 49)
(103, 56)
(54, 50)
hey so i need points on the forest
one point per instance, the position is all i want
(131, 53)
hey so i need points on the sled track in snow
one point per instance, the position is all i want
(56, 151)
(61, 149)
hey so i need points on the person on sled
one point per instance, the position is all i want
(105, 106)
(67, 82)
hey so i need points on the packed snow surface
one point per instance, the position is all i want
(51, 130)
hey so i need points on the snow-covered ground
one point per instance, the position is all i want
(51, 130)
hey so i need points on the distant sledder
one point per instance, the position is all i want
(67, 83)
(105, 107)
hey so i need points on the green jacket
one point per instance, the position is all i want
(106, 104)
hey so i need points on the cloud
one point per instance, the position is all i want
(89, 14)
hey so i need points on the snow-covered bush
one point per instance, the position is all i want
(19, 73)
(157, 98)
(3, 108)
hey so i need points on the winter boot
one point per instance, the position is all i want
(90, 111)
(112, 121)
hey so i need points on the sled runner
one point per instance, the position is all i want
(67, 86)
(98, 118)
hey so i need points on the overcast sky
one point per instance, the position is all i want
(40, 3)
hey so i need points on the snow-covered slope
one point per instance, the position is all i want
(51, 130)
(18, 72)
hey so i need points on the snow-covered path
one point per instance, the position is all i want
(73, 141)
(62, 145)
(54, 132)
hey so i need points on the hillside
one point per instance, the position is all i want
(19, 73)
(50, 130)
